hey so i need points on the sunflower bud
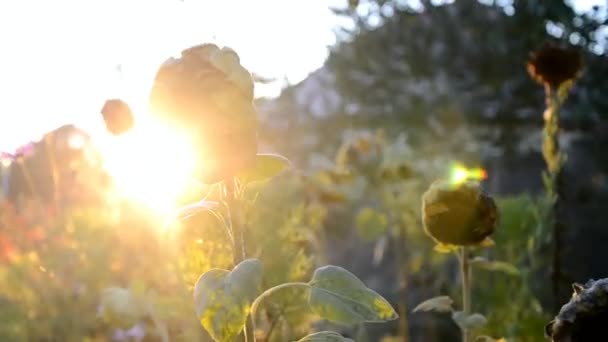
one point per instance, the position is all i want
(207, 94)
(552, 65)
(458, 214)
(118, 116)
(584, 317)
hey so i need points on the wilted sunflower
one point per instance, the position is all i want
(554, 64)
(584, 317)
(117, 115)
(207, 94)
(458, 214)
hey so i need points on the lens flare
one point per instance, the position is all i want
(460, 174)
(152, 164)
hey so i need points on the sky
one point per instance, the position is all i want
(60, 57)
(63, 53)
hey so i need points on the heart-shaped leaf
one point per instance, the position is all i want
(439, 304)
(222, 298)
(339, 296)
(264, 167)
(120, 308)
(325, 336)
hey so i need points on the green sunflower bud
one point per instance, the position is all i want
(458, 214)
(584, 317)
(209, 95)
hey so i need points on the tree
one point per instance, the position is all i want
(403, 63)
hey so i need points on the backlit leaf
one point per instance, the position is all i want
(222, 299)
(265, 167)
(339, 296)
(439, 304)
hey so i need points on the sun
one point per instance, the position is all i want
(153, 164)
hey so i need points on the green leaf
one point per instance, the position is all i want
(497, 266)
(325, 336)
(265, 167)
(371, 224)
(439, 304)
(245, 279)
(339, 296)
(222, 298)
(120, 307)
(472, 321)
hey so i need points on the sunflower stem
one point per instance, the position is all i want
(238, 234)
(554, 160)
(465, 271)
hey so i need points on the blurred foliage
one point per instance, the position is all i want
(396, 66)
(386, 213)
(402, 62)
(515, 311)
(53, 268)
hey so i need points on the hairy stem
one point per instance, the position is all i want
(235, 221)
(465, 271)
(238, 238)
(554, 160)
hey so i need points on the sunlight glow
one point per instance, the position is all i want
(152, 164)
(76, 141)
(459, 174)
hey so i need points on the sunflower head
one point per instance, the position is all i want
(458, 214)
(207, 94)
(554, 64)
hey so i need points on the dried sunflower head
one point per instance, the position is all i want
(207, 94)
(584, 317)
(458, 214)
(553, 64)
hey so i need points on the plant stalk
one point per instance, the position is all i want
(465, 271)
(554, 160)
(236, 223)
(238, 235)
